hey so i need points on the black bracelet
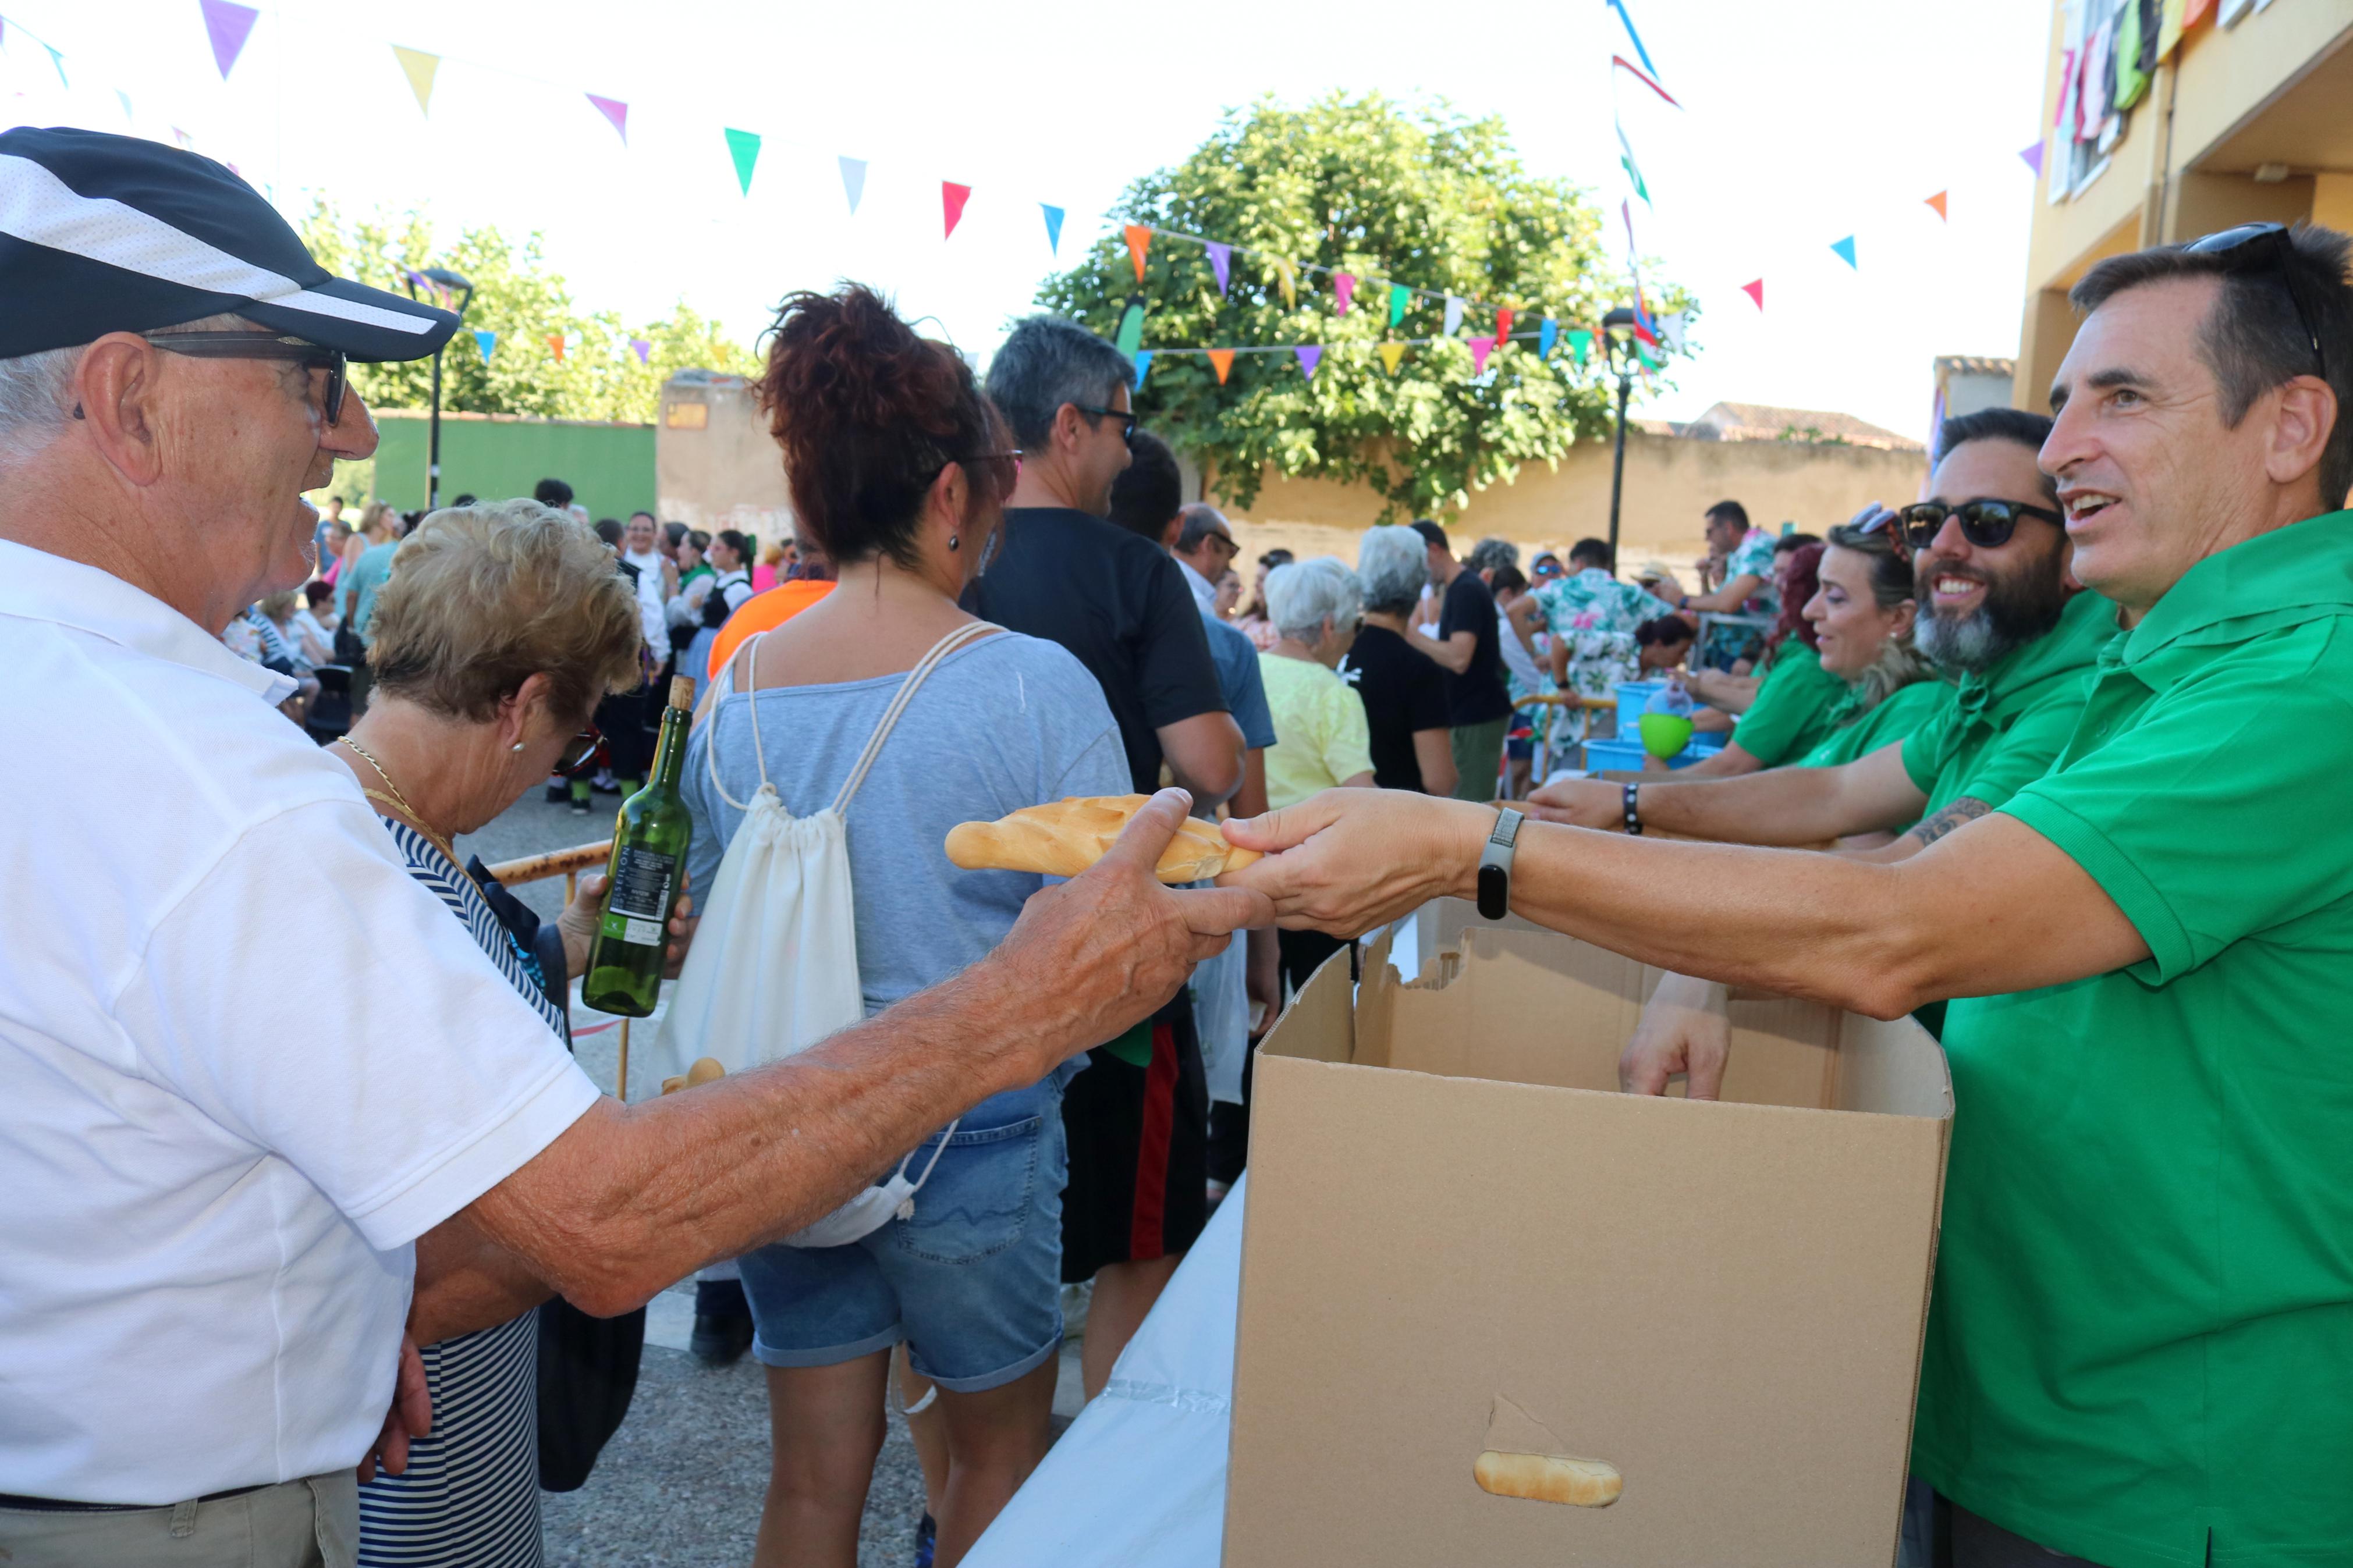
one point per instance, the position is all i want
(1633, 813)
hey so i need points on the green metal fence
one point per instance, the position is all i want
(610, 468)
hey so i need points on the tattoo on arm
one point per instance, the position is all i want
(1964, 810)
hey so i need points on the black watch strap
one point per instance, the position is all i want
(1633, 810)
(1495, 866)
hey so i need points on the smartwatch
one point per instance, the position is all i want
(1495, 866)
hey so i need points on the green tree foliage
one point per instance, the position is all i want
(520, 297)
(1423, 197)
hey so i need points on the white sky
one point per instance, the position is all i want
(1804, 122)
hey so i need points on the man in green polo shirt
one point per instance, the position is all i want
(1996, 606)
(2139, 1353)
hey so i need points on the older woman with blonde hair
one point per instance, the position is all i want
(496, 632)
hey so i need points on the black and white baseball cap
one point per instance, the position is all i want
(107, 234)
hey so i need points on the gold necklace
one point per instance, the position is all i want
(399, 801)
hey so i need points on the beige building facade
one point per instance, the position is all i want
(2244, 120)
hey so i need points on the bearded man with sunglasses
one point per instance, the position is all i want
(2139, 1351)
(211, 1223)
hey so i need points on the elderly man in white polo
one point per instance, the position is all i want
(207, 1251)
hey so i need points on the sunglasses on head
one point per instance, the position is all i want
(1985, 523)
(2260, 247)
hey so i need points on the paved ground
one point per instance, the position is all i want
(680, 1483)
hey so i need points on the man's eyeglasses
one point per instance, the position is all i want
(1221, 541)
(1126, 421)
(581, 753)
(2253, 246)
(1986, 524)
(264, 345)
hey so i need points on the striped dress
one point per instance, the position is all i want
(471, 1496)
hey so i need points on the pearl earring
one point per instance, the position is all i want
(518, 746)
(955, 542)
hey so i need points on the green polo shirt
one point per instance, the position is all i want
(2005, 725)
(1791, 713)
(1862, 730)
(2142, 1335)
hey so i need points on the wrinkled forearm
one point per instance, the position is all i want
(466, 1282)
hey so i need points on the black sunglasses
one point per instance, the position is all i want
(1128, 421)
(1986, 524)
(264, 345)
(2255, 245)
(581, 753)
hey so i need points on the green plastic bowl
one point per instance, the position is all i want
(1664, 735)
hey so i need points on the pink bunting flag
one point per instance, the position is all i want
(1755, 291)
(615, 111)
(1480, 349)
(227, 24)
(952, 199)
(1309, 355)
(1221, 262)
(641, 348)
(1344, 289)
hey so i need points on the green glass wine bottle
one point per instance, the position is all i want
(649, 841)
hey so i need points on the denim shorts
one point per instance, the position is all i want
(972, 1283)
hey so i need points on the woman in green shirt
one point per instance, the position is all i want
(1788, 713)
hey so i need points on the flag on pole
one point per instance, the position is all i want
(952, 199)
(418, 68)
(853, 181)
(1222, 361)
(744, 147)
(615, 111)
(1053, 227)
(227, 24)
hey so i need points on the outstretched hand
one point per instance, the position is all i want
(1347, 860)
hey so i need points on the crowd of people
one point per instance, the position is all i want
(2064, 728)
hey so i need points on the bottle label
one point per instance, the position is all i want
(637, 909)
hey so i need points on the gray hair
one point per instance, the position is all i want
(1201, 519)
(36, 392)
(1300, 597)
(1393, 563)
(1047, 362)
(1492, 552)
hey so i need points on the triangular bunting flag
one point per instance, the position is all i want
(1129, 339)
(1937, 201)
(123, 99)
(641, 348)
(1344, 289)
(1287, 277)
(952, 199)
(2033, 156)
(487, 341)
(1399, 297)
(853, 181)
(1672, 329)
(1503, 325)
(1221, 262)
(1580, 343)
(1622, 63)
(1139, 240)
(1633, 170)
(1222, 361)
(1642, 352)
(615, 111)
(58, 62)
(227, 24)
(1845, 249)
(1143, 364)
(1755, 291)
(1547, 334)
(1053, 227)
(1309, 355)
(1453, 313)
(1633, 36)
(1390, 354)
(418, 68)
(1480, 347)
(555, 345)
(745, 148)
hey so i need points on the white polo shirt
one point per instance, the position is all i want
(1205, 592)
(245, 1061)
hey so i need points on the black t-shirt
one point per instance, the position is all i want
(1115, 600)
(1477, 696)
(1403, 691)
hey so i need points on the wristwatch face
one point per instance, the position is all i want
(1494, 893)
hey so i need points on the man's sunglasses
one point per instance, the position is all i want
(1126, 421)
(581, 753)
(1986, 524)
(264, 345)
(2255, 247)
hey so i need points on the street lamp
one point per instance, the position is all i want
(444, 282)
(1617, 351)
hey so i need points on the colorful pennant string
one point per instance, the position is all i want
(227, 26)
(952, 199)
(1222, 361)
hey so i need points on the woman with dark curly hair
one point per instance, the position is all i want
(1790, 713)
(899, 468)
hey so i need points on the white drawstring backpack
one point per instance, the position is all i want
(774, 966)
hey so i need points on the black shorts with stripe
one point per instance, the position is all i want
(1139, 1152)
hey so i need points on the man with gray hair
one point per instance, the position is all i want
(213, 1228)
(1205, 550)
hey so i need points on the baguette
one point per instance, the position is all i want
(1063, 838)
(1548, 1478)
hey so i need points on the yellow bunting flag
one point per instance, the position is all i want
(1287, 277)
(1222, 361)
(1139, 240)
(1390, 354)
(418, 66)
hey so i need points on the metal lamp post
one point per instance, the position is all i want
(446, 283)
(1618, 350)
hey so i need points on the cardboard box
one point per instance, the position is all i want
(1454, 1219)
